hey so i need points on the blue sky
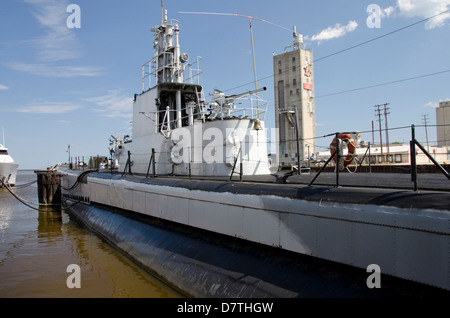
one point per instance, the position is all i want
(61, 86)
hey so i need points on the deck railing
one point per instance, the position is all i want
(413, 143)
(413, 162)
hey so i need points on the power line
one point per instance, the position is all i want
(383, 84)
(382, 36)
(380, 84)
(355, 46)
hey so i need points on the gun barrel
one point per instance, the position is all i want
(246, 93)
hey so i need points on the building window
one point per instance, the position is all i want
(298, 91)
(294, 81)
(398, 158)
(293, 68)
(279, 71)
(279, 63)
(290, 92)
(293, 59)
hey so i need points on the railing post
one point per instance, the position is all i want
(241, 165)
(337, 159)
(189, 163)
(149, 164)
(234, 165)
(153, 163)
(412, 150)
(129, 162)
(299, 169)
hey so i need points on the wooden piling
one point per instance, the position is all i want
(49, 190)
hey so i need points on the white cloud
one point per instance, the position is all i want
(54, 71)
(113, 104)
(3, 87)
(436, 104)
(59, 42)
(48, 108)
(335, 31)
(425, 9)
(432, 104)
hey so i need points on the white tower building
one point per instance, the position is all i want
(294, 103)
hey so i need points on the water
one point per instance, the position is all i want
(36, 247)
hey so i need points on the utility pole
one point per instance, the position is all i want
(425, 120)
(387, 129)
(378, 113)
(373, 135)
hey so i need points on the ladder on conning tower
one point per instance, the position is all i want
(200, 101)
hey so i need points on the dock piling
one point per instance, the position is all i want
(49, 190)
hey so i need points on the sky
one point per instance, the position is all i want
(69, 69)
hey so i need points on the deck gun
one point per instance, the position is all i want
(222, 105)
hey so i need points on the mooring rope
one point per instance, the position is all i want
(21, 186)
(27, 203)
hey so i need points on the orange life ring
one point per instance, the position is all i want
(350, 146)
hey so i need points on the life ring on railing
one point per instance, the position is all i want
(351, 146)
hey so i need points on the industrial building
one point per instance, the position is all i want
(443, 123)
(294, 103)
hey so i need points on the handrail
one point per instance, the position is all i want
(245, 109)
(152, 164)
(337, 153)
(151, 68)
(364, 157)
(414, 143)
(239, 155)
(323, 167)
(128, 164)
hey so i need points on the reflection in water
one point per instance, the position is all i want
(36, 247)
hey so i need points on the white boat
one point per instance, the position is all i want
(8, 169)
(178, 168)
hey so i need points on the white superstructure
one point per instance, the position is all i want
(176, 131)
